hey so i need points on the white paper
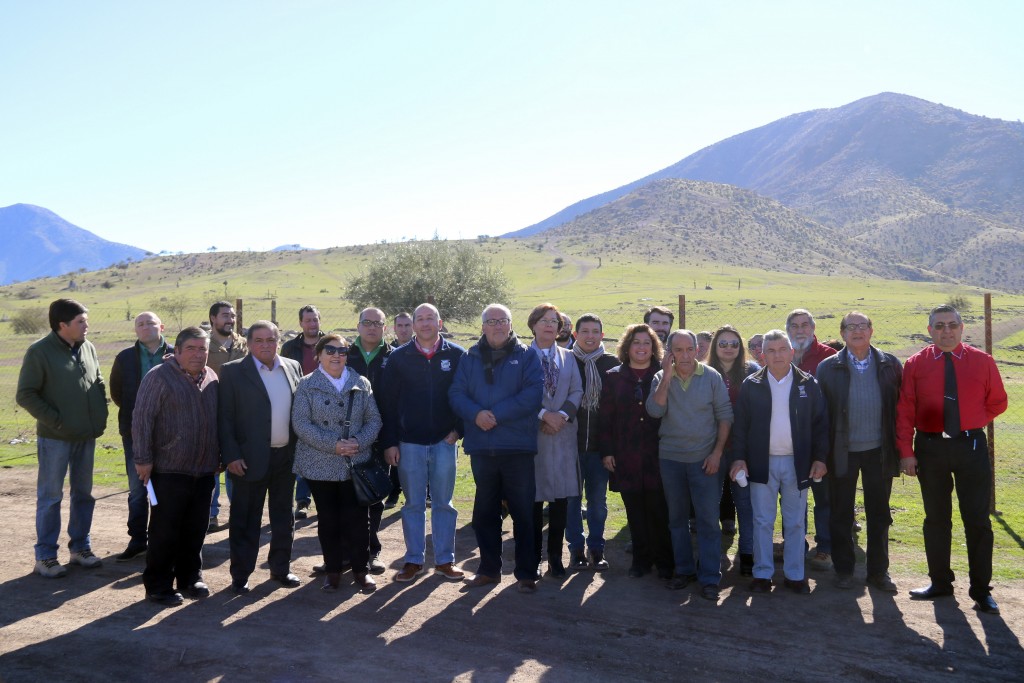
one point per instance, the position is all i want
(151, 492)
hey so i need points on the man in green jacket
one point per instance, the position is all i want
(61, 386)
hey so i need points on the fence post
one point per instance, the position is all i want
(239, 325)
(273, 311)
(682, 312)
(991, 425)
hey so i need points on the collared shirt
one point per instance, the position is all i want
(861, 366)
(429, 353)
(685, 383)
(980, 393)
(369, 356)
(280, 393)
(148, 361)
(814, 354)
(780, 439)
(339, 384)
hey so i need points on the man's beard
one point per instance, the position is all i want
(801, 346)
(226, 330)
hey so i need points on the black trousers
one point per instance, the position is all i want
(177, 529)
(343, 525)
(509, 477)
(647, 518)
(558, 512)
(941, 465)
(843, 494)
(246, 518)
(726, 507)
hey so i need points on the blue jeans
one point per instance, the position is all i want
(215, 498)
(509, 477)
(56, 457)
(744, 517)
(138, 504)
(419, 467)
(685, 483)
(781, 479)
(595, 486)
(302, 494)
(822, 510)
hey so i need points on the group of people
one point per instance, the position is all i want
(683, 425)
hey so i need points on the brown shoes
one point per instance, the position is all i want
(483, 580)
(449, 571)
(365, 583)
(409, 572)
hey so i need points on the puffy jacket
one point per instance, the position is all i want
(514, 397)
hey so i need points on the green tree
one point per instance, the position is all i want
(173, 307)
(403, 276)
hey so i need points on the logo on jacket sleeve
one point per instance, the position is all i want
(801, 391)
(446, 366)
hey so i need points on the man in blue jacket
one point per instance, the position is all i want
(497, 392)
(419, 435)
(780, 441)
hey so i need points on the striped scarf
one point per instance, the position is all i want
(592, 394)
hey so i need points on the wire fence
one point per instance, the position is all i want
(898, 328)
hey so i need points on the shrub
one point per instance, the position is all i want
(31, 321)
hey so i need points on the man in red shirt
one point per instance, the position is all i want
(950, 393)
(807, 353)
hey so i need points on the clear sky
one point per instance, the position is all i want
(247, 125)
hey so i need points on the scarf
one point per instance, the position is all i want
(492, 357)
(592, 393)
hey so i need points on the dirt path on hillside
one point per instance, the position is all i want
(582, 266)
(96, 625)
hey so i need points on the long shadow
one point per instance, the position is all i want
(1009, 530)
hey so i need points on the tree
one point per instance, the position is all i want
(30, 320)
(174, 307)
(402, 276)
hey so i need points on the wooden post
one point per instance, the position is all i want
(682, 312)
(273, 311)
(991, 426)
(239, 325)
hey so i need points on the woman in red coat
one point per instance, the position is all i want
(628, 440)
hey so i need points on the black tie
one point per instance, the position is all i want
(950, 410)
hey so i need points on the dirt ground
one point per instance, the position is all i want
(96, 624)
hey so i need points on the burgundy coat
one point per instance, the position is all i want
(627, 432)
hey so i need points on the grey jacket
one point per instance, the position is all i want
(318, 417)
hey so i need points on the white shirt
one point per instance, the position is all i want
(339, 384)
(780, 439)
(280, 393)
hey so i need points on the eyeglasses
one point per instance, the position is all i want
(723, 344)
(939, 327)
(857, 327)
(372, 323)
(549, 321)
(331, 350)
(496, 322)
(755, 346)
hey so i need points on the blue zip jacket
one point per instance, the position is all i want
(808, 422)
(413, 396)
(514, 398)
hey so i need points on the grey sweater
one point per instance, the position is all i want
(690, 417)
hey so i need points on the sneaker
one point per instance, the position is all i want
(600, 564)
(821, 561)
(301, 513)
(376, 566)
(449, 571)
(86, 559)
(131, 552)
(409, 572)
(50, 568)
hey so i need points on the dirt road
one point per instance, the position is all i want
(96, 625)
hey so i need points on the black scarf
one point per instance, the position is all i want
(492, 356)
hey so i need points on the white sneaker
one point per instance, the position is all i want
(86, 559)
(50, 568)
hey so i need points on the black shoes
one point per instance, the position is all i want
(556, 568)
(882, 582)
(680, 581)
(709, 592)
(761, 586)
(131, 552)
(392, 500)
(198, 591)
(746, 564)
(168, 598)
(240, 588)
(986, 605)
(597, 557)
(800, 587)
(288, 580)
(931, 592)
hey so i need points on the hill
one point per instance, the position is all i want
(890, 168)
(39, 243)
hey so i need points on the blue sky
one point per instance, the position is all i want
(246, 125)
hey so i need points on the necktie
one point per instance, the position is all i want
(950, 409)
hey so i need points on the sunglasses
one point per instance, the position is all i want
(332, 350)
(723, 344)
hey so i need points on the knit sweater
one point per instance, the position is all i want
(174, 426)
(690, 417)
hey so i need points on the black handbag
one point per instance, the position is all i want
(371, 479)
